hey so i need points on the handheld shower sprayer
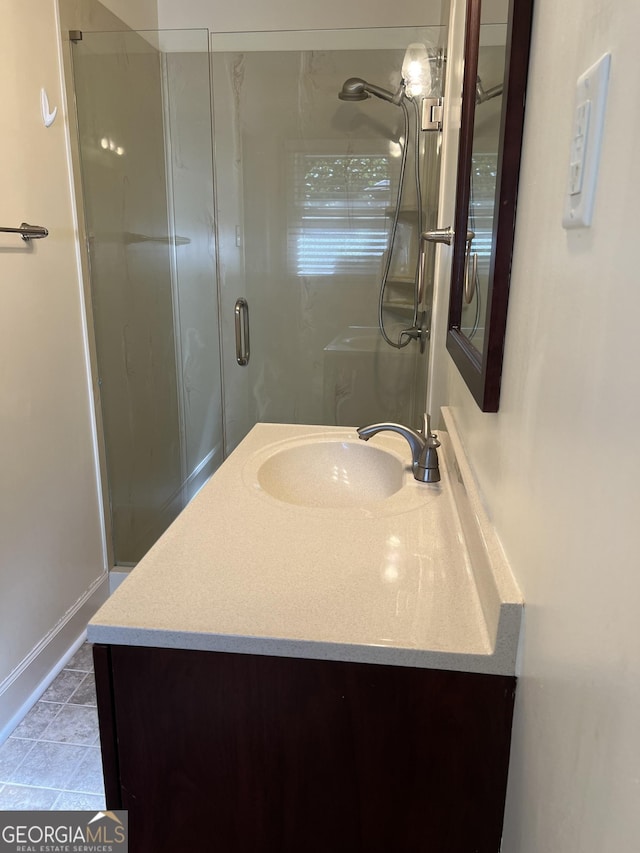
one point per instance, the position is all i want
(357, 89)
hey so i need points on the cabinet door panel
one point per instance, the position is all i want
(277, 755)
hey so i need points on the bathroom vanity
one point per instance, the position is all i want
(318, 655)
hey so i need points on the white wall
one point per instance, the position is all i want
(250, 15)
(137, 14)
(51, 545)
(559, 464)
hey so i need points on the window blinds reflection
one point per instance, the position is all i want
(483, 192)
(339, 204)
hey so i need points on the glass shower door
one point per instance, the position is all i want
(144, 132)
(306, 186)
(292, 250)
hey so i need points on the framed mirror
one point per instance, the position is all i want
(497, 39)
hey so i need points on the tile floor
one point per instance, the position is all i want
(52, 759)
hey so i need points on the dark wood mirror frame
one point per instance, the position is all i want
(482, 371)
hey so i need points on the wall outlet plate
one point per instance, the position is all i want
(586, 140)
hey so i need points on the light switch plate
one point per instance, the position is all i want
(586, 140)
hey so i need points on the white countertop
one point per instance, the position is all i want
(395, 583)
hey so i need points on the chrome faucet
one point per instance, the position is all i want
(424, 455)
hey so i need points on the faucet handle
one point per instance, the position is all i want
(429, 436)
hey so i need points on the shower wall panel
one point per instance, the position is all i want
(312, 261)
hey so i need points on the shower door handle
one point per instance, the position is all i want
(241, 312)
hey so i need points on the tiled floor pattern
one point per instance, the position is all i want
(52, 759)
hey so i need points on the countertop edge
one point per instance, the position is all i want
(500, 662)
(500, 597)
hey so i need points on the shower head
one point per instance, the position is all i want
(356, 89)
(353, 89)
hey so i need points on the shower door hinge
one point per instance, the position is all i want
(432, 110)
(75, 35)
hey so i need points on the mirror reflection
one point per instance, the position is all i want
(497, 41)
(483, 181)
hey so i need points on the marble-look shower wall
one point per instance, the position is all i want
(316, 355)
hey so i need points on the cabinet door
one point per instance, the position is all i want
(277, 755)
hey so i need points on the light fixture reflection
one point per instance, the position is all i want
(339, 474)
(393, 560)
(416, 71)
(109, 145)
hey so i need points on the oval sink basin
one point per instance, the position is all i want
(331, 474)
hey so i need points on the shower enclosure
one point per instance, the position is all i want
(237, 220)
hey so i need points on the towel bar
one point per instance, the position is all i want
(27, 232)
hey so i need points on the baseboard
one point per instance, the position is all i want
(28, 681)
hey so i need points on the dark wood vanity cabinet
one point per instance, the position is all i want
(234, 753)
